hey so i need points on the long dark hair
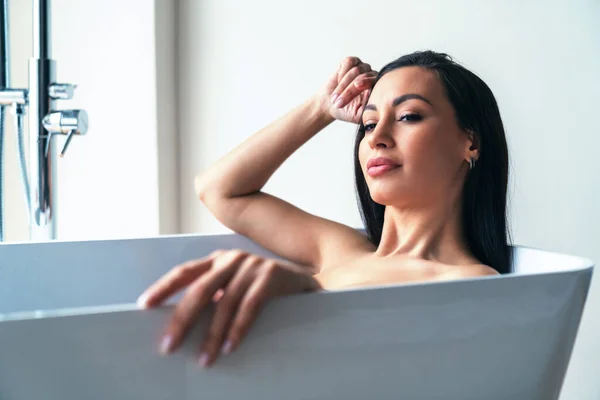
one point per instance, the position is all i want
(484, 195)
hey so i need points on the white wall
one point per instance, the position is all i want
(242, 64)
(15, 211)
(108, 181)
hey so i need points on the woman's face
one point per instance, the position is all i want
(413, 151)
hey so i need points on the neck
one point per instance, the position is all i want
(432, 233)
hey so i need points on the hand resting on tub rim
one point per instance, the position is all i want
(431, 169)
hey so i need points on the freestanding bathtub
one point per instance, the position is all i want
(70, 330)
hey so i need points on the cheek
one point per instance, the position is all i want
(430, 152)
(362, 154)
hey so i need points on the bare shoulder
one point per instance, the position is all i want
(468, 271)
(342, 244)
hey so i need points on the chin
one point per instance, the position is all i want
(384, 197)
(392, 193)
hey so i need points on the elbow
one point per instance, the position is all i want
(214, 200)
(211, 195)
(200, 188)
(204, 191)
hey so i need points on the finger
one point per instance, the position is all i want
(362, 104)
(361, 83)
(359, 113)
(348, 78)
(174, 280)
(225, 311)
(248, 310)
(345, 65)
(218, 295)
(365, 80)
(198, 296)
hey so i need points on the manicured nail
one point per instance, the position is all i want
(142, 301)
(338, 103)
(165, 345)
(334, 97)
(203, 360)
(227, 347)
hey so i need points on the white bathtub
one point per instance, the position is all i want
(69, 330)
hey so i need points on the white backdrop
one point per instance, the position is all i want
(170, 86)
(242, 64)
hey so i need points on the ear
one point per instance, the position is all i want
(472, 146)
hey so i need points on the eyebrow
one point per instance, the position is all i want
(399, 100)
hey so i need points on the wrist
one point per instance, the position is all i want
(318, 110)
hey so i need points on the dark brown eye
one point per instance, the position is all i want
(369, 127)
(410, 117)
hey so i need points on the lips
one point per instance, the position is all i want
(380, 165)
(376, 162)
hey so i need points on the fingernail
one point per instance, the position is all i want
(203, 360)
(165, 345)
(227, 347)
(338, 103)
(334, 97)
(142, 300)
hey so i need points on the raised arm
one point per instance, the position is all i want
(231, 188)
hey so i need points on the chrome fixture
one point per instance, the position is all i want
(45, 122)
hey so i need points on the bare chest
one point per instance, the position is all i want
(374, 271)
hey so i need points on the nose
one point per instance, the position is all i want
(381, 136)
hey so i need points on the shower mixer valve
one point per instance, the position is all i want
(65, 122)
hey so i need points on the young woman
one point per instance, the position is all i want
(431, 166)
